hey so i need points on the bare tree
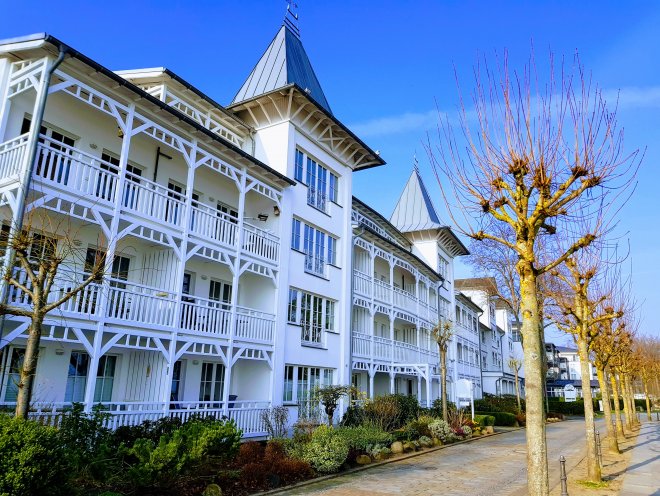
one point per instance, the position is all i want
(537, 153)
(442, 332)
(648, 350)
(515, 364)
(38, 283)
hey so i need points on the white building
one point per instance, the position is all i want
(499, 341)
(233, 243)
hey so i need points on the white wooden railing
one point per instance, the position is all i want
(204, 316)
(152, 200)
(12, 155)
(405, 300)
(254, 325)
(140, 303)
(261, 243)
(246, 414)
(75, 171)
(367, 346)
(209, 223)
(382, 291)
(362, 283)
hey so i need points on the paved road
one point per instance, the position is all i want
(642, 477)
(487, 467)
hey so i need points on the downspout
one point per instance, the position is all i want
(355, 228)
(37, 120)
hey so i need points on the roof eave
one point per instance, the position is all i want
(146, 96)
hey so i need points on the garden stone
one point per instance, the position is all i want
(489, 429)
(381, 456)
(363, 460)
(397, 447)
(437, 442)
(426, 443)
(212, 490)
(408, 446)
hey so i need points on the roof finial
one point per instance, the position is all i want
(291, 17)
(415, 163)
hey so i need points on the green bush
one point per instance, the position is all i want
(176, 453)
(84, 437)
(32, 459)
(484, 420)
(354, 416)
(504, 419)
(358, 438)
(504, 403)
(326, 451)
(442, 430)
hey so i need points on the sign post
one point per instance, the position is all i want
(465, 394)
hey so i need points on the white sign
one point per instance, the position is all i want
(465, 394)
(569, 392)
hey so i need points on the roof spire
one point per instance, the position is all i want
(291, 17)
(415, 162)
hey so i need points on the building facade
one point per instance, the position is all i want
(240, 271)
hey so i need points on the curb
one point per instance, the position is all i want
(281, 490)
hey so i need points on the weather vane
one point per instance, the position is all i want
(291, 17)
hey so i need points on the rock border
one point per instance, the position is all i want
(405, 456)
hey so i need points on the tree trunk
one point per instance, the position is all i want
(626, 402)
(631, 398)
(534, 357)
(29, 368)
(617, 405)
(593, 467)
(515, 372)
(648, 402)
(607, 407)
(443, 380)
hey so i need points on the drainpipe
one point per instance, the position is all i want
(21, 195)
(356, 232)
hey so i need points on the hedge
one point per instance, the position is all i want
(577, 407)
(501, 418)
(484, 420)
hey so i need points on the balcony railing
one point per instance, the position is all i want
(382, 291)
(209, 223)
(405, 300)
(204, 316)
(149, 199)
(12, 154)
(379, 348)
(261, 243)
(75, 171)
(254, 325)
(246, 414)
(139, 303)
(362, 283)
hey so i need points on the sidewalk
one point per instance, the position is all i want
(643, 475)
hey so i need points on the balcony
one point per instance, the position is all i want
(379, 348)
(78, 174)
(130, 303)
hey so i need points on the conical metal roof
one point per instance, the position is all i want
(283, 63)
(414, 210)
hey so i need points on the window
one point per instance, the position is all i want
(77, 377)
(14, 374)
(212, 382)
(105, 183)
(298, 168)
(301, 381)
(225, 211)
(120, 265)
(322, 184)
(4, 239)
(105, 378)
(314, 314)
(443, 267)
(295, 235)
(319, 248)
(177, 378)
(54, 146)
(220, 291)
(334, 188)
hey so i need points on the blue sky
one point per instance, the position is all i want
(384, 67)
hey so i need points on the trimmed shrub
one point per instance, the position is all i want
(32, 459)
(503, 419)
(504, 403)
(326, 451)
(359, 438)
(354, 416)
(384, 412)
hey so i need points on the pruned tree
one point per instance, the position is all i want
(604, 347)
(583, 294)
(535, 153)
(37, 283)
(515, 364)
(442, 333)
(648, 350)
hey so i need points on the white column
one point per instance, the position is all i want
(372, 374)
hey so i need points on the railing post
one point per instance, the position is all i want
(562, 475)
(599, 449)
